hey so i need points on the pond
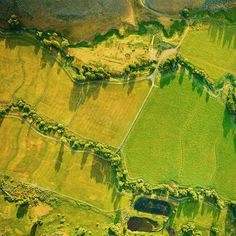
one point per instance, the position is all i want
(152, 206)
(141, 224)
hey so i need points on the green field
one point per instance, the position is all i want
(183, 135)
(212, 49)
(203, 215)
(100, 111)
(29, 157)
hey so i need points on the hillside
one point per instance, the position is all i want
(74, 18)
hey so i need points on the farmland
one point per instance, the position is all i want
(131, 129)
(37, 160)
(216, 52)
(17, 224)
(179, 130)
(41, 82)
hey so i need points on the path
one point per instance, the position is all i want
(164, 55)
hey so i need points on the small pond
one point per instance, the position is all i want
(152, 206)
(141, 224)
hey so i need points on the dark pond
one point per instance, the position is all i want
(141, 224)
(152, 206)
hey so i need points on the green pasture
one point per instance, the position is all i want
(212, 49)
(183, 135)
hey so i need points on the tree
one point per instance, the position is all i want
(184, 13)
(14, 22)
(133, 75)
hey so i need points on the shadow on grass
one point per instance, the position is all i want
(80, 93)
(188, 209)
(224, 36)
(166, 79)
(33, 230)
(22, 210)
(59, 160)
(84, 159)
(101, 171)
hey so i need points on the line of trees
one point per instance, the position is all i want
(137, 186)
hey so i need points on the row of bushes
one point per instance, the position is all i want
(197, 73)
(123, 183)
(231, 102)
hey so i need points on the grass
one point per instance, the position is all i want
(99, 111)
(212, 49)
(115, 53)
(51, 215)
(203, 215)
(32, 158)
(183, 135)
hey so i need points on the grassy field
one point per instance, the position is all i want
(212, 49)
(99, 111)
(13, 224)
(29, 157)
(203, 215)
(183, 135)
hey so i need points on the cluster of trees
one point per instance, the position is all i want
(14, 22)
(115, 230)
(194, 194)
(189, 229)
(123, 183)
(185, 12)
(52, 39)
(88, 73)
(231, 101)
(232, 208)
(170, 65)
(132, 69)
(199, 74)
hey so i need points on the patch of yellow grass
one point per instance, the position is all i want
(32, 158)
(99, 111)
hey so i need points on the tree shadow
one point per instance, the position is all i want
(101, 171)
(223, 35)
(22, 210)
(166, 79)
(84, 159)
(47, 58)
(33, 230)
(59, 159)
(12, 43)
(80, 93)
(181, 75)
(184, 208)
(116, 198)
(1, 120)
(227, 123)
(130, 86)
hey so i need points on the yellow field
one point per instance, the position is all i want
(99, 111)
(32, 158)
(115, 53)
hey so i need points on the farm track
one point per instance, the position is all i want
(164, 55)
